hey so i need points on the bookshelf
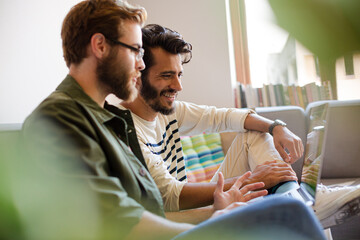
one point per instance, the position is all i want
(281, 95)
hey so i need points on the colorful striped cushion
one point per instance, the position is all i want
(203, 155)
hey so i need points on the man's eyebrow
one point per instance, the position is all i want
(168, 72)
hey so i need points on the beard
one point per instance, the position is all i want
(152, 97)
(116, 78)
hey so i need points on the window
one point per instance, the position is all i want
(275, 57)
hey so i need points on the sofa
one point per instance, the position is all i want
(205, 152)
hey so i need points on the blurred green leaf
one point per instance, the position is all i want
(328, 28)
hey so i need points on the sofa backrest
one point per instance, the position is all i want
(9, 134)
(12, 229)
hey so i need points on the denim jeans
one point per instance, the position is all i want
(273, 217)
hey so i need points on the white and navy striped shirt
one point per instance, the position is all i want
(168, 146)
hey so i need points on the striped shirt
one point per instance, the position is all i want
(168, 146)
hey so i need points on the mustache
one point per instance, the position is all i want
(137, 75)
(168, 91)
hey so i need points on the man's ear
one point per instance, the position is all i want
(98, 45)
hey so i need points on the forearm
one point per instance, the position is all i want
(257, 123)
(155, 227)
(193, 216)
(194, 119)
(194, 195)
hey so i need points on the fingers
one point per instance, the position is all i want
(283, 153)
(268, 162)
(291, 142)
(293, 152)
(252, 187)
(277, 165)
(220, 183)
(273, 167)
(299, 149)
(239, 182)
(285, 173)
(256, 194)
(287, 178)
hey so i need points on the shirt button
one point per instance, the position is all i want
(130, 131)
(142, 172)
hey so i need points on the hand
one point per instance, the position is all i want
(285, 139)
(272, 173)
(236, 194)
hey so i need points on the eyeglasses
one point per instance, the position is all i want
(139, 51)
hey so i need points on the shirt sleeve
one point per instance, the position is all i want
(62, 142)
(195, 119)
(169, 187)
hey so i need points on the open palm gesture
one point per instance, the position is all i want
(236, 194)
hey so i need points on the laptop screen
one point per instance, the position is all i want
(311, 171)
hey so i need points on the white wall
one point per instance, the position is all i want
(31, 62)
(202, 23)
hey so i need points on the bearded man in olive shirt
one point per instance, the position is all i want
(97, 142)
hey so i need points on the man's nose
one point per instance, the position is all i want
(140, 65)
(176, 84)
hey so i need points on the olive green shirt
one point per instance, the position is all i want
(69, 128)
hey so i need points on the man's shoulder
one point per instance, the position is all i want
(56, 106)
(55, 102)
(165, 120)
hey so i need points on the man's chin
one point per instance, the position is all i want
(163, 110)
(133, 94)
(167, 111)
(129, 96)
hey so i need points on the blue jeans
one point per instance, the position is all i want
(274, 217)
(285, 186)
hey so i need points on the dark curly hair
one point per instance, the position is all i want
(154, 35)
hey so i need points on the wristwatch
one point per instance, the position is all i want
(274, 124)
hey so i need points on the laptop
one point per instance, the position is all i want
(313, 159)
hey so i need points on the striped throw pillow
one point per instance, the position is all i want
(203, 155)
